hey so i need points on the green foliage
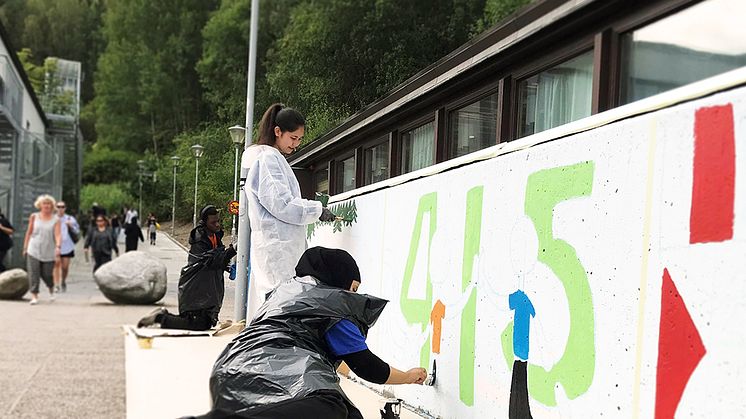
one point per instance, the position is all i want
(495, 11)
(377, 44)
(113, 196)
(147, 89)
(34, 72)
(102, 165)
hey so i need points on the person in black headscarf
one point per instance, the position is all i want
(284, 363)
(132, 232)
(201, 283)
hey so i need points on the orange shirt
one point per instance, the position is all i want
(213, 239)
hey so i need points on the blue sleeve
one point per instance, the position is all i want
(345, 338)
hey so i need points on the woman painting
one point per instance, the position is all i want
(277, 214)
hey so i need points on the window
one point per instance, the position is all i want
(473, 127)
(556, 96)
(345, 174)
(701, 41)
(418, 147)
(376, 160)
(321, 180)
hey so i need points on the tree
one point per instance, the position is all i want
(34, 72)
(147, 89)
(330, 68)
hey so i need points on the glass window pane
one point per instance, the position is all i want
(699, 42)
(377, 163)
(556, 96)
(346, 175)
(321, 180)
(473, 127)
(418, 148)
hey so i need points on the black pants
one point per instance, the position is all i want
(99, 259)
(323, 405)
(2, 257)
(189, 320)
(152, 238)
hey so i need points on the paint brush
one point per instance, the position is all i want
(430, 380)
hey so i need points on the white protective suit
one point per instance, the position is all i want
(278, 217)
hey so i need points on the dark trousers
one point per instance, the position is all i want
(326, 405)
(99, 259)
(189, 320)
(2, 257)
(152, 238)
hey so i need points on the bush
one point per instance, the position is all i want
(113, 197)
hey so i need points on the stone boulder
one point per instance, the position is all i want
(13, 284)
(133, 278)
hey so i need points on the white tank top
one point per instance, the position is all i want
(42, 245)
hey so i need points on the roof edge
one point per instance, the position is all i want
(24, 78)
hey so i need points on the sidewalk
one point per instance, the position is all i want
(66, 359)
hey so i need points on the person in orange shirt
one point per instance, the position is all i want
(201, 285)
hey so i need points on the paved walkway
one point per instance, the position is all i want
(65, 359)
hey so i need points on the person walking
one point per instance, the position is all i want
(152, 224)
(116, 226)
(132, 232)
(101, 242)
(277, 214)
(70, 231)
(6, 238)
(283, 365)
(41, 246)
(201, 284)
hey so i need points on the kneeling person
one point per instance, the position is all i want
(201, 285)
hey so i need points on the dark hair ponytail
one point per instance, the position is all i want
(278, 115)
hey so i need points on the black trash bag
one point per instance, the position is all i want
(201, 283)
(282, 354)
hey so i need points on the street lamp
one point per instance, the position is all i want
(238, 133)
(141, 167)
(197, 150)
(175, 160)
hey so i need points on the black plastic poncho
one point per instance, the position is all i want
(282, 354)
(201, 283)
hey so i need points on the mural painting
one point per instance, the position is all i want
(533, 277)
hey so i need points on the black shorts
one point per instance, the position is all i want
(69, 255)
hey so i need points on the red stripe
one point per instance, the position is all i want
(711, 218)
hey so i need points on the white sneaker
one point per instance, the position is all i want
(52, 297)
(33, 301)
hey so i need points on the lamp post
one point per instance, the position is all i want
(238, 133)
(244, 231)
(141, 169)
(175, 160)
(197, 150)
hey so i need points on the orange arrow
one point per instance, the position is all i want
(436, 318)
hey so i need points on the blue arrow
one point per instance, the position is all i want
(524, 310)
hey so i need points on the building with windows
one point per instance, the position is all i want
(555, 214)
(551, 63)
(39, 152)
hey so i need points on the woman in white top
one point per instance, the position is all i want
(68, 227)
(41, 247)
(277, 214)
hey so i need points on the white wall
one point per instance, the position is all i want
(30, 113)
(585, 226)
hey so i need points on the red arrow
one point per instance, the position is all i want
(680, 349)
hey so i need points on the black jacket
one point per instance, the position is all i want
(282, 354)
(201, 285)
(131, 233)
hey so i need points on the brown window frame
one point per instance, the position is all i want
(337, 166)
(376, 141)
(410, 125)
(481, 92)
